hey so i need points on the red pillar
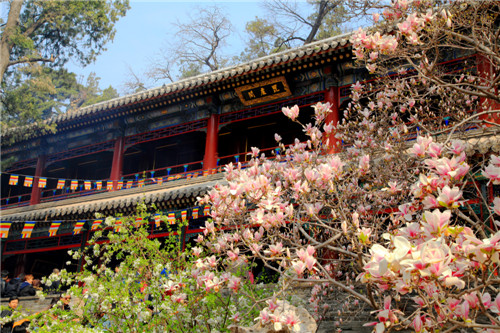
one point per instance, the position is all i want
(36, 192)
(117, 166)
(485, 72)
(210, 159)
(333, 97)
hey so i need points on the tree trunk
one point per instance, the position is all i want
(322, 11)
(5, 42)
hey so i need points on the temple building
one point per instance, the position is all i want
(163, 146)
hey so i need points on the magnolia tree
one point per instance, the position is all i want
(386, 220)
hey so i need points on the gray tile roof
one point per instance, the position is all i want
(202, 79)
(173, 190)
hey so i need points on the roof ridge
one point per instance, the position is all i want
(204, 78)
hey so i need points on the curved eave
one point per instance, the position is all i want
(185, 85)
(117, 200)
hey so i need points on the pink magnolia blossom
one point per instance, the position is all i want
(264, 316)
(275, 249)
(417, 323)
(291, 113)
(405, 27)
(492, 172)
(234, 283)
(357, 87)
(449, 197)
(364, 163)
(299, 267)
(197, 251)
(457, 147)
(234, 255)
(272, 304)
(180, 298)
(292, 321)
(371, 68)
(436, 221)
(496, 205)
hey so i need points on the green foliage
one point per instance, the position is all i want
(36, 40)
(34, 93)
(332, 22)
(134, 283)
(262, 36)
(65, 29)
(189, 69)
(91, 93)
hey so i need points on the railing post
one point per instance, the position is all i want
(210, 159)
(117, 166)
(36, 192)
(333, 97)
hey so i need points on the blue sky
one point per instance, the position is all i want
(148, 26)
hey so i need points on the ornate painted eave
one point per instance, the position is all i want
(186, 85)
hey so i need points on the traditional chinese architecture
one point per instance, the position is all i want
(163, 146)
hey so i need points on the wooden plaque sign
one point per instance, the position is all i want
(263, 91)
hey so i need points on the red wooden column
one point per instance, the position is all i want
(210, 159)
(333, 97)
(117, 166)
(485, 71)
(36, 192)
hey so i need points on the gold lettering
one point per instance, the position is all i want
(251, 94)
(262, 92)
(275, 88)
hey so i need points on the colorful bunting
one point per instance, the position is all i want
(4, 228)
(95, 225)
(157, 220)
(13, 179)
(171, 218)
(195, 213)
(120, 184)
(28, 228)
(118, 225)
(54, 227)
(61, 183)
(28, 181)
(138, 221)
(42, 182)
(78, 227)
